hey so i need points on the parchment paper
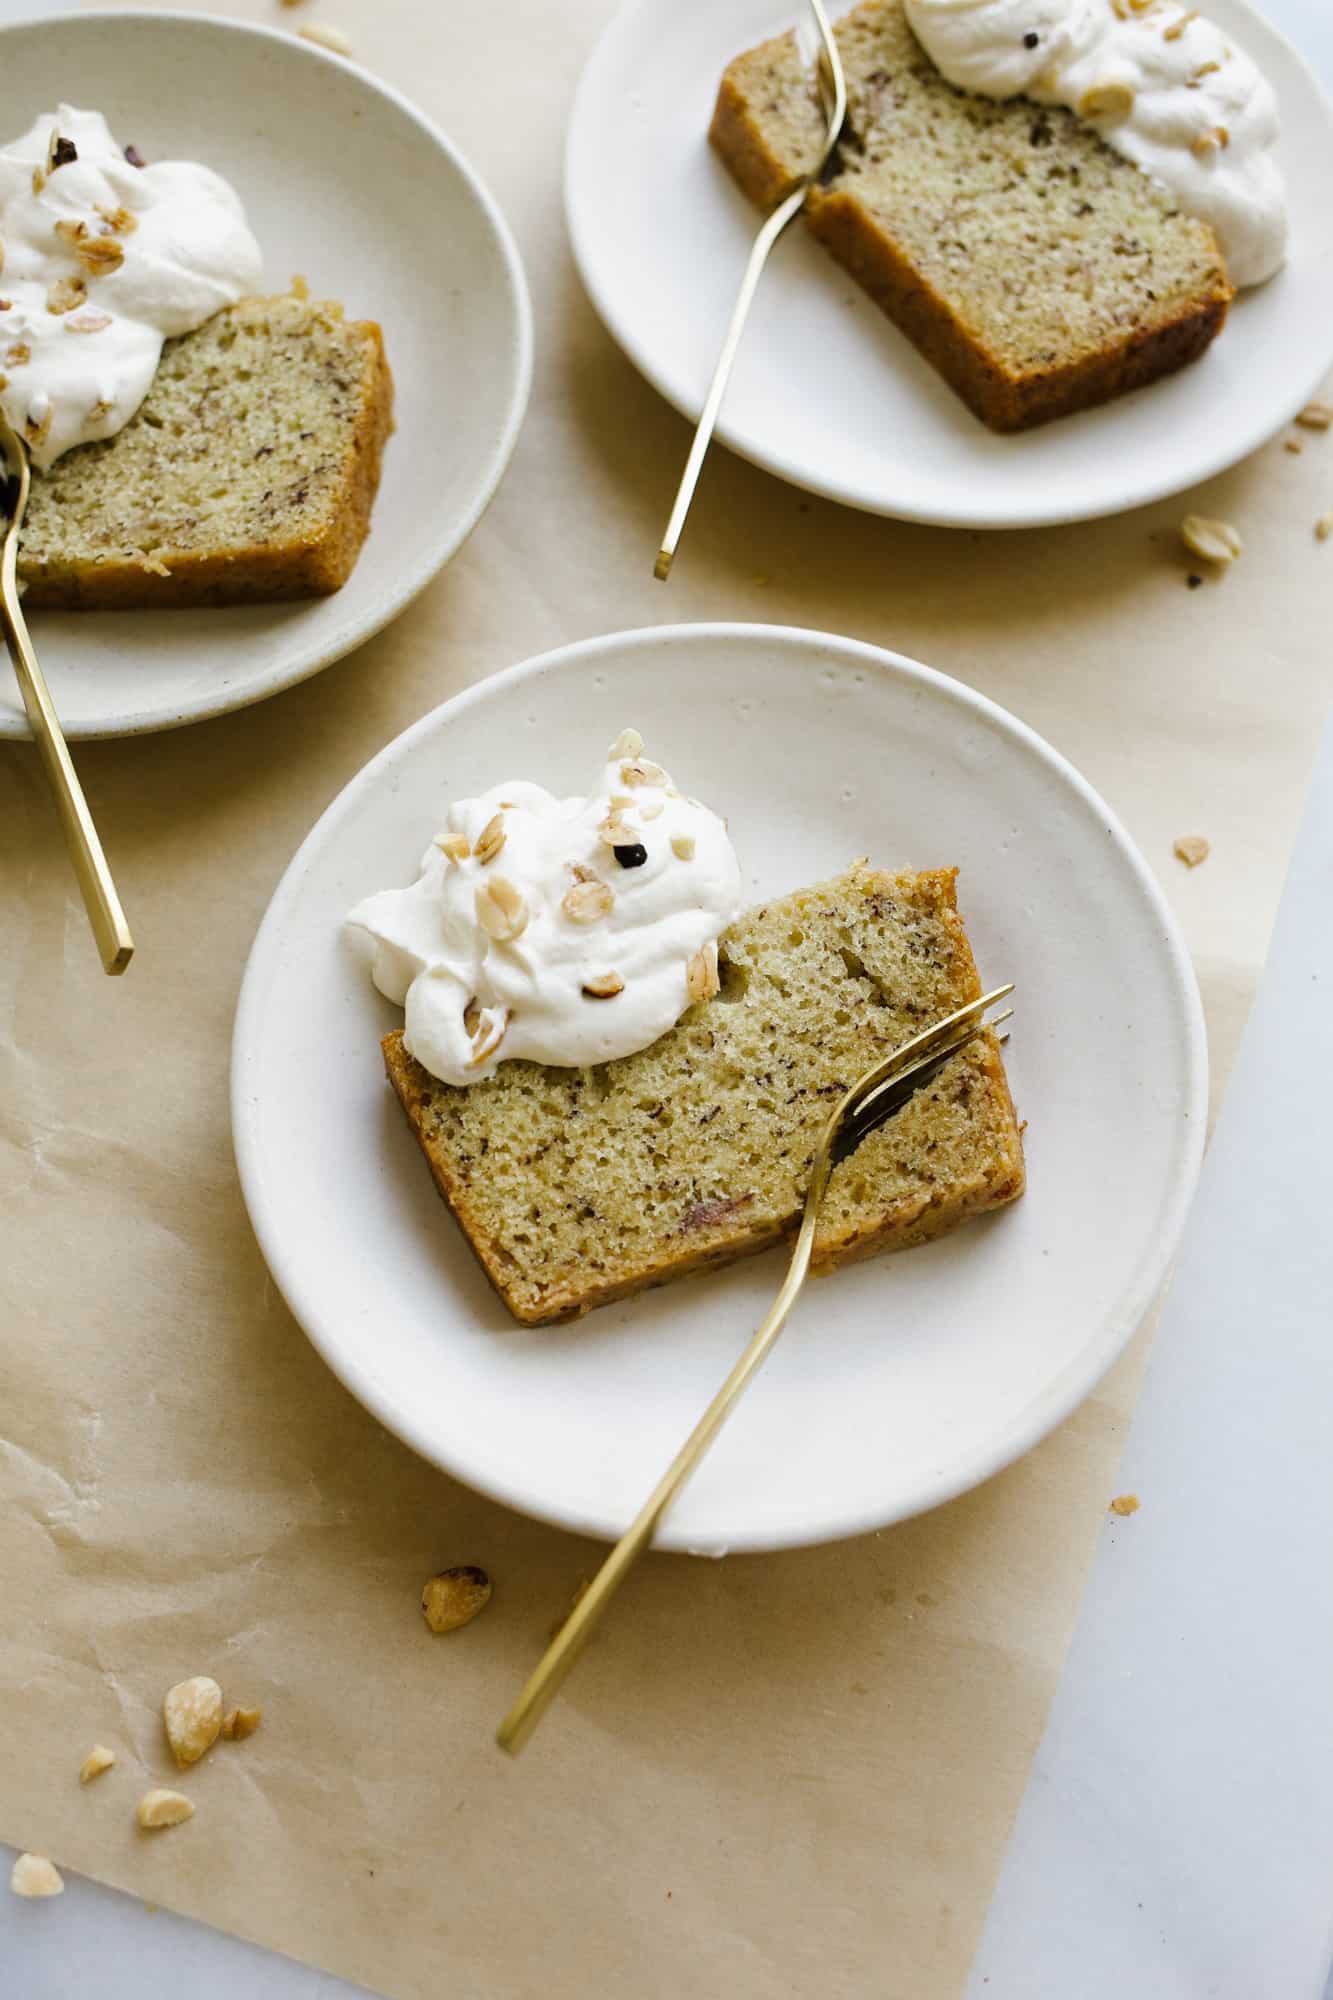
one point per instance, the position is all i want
(786, 1775)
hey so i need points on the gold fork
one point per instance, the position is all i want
(833, 89)
(872, 1099)
(85, 849)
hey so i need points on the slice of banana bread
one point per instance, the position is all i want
(1037, 270)
(575, 1187)
(248, 473)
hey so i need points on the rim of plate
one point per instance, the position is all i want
(352, 634)
(1041, 1416)
(775, 461)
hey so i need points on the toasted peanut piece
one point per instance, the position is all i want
(326, 38)
(1125, 1503)
(65, 295)
(486, 1035)
(1192, 848)
(603, 986)
(192, 1713)
(701, 980)
(238, 1723)
(490, 840)
(628, 744)
(99, 1759)
(1316, 416)
(587, 902)
(1106, 100)
(501, 909)
(454, 1597)
(33, 1875)
(454, 845)
(682, 846)
(100, 255)
(162, 1807)
(1214, 541)
(1323, 527)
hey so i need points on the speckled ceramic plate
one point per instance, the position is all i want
(899, 1382)
(826, 392)
(346, 183)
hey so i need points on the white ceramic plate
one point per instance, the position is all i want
(826, 392)
(900, 1382)
(346, 183)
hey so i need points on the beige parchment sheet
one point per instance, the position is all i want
(773, 1776)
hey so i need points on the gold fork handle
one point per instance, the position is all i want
(915, 1058)
(554, 1665)
(85, 849)
(833, 88)
(717, 388)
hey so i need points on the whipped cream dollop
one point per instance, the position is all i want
(100, 262)
(565, 931)
(1161, 84)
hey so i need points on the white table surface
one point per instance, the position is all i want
(1176, 1837)
(95, 1941)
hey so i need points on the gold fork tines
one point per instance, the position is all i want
(871, 1099)
(85, 848)
(833, 88)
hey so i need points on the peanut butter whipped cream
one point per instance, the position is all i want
(102, 259)
(563, 931)
(1159, 82)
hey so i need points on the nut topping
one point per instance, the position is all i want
(1106, 100)
(1214, 541)
(454, 1597)
(65, 294)
(586, 902)
(486, 1038)
(162, 1807)
(100, 255)
(604, 986)
(501, 909)
(701, 980)
(33, 1875)
(192, 1715)
(490, 840)
(99, 1759)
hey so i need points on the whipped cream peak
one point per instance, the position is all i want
(101, 260)
(1160, 83)
(563, 931)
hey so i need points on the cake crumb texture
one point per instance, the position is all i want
(247, 475)
(1036, 269)
(576, 1187)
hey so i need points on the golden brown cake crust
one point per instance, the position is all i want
(308, 550)
(765, 131)
(954, 1152)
